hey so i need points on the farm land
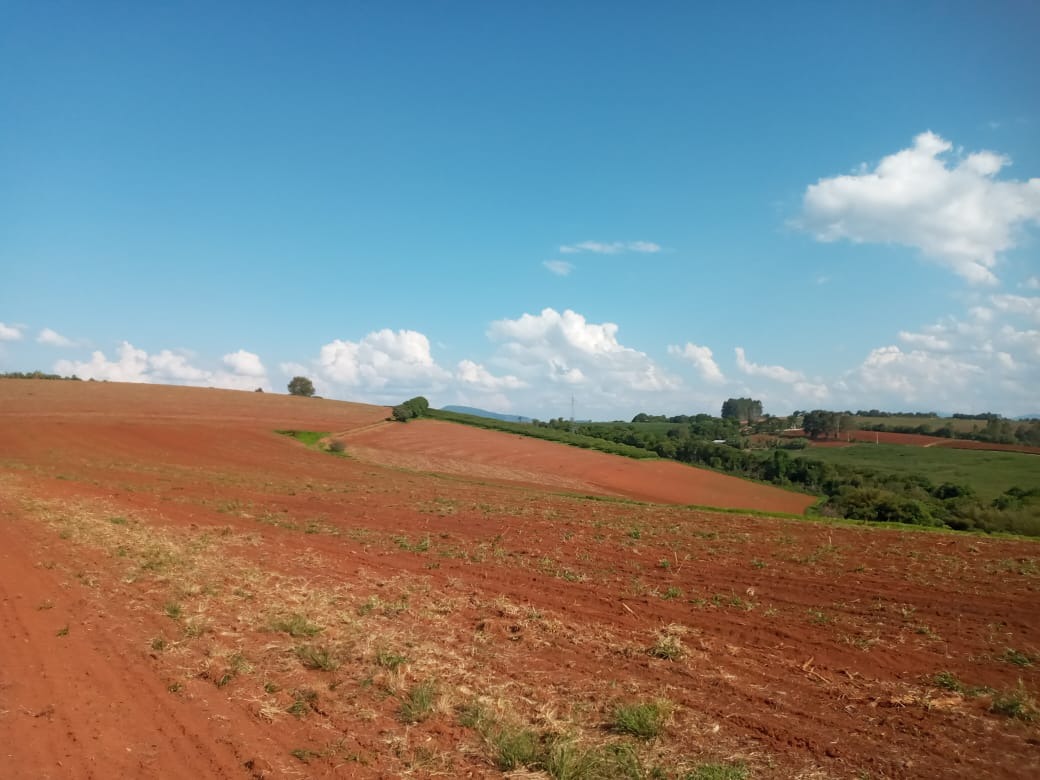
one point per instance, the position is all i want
(185, 592)
(989, 473)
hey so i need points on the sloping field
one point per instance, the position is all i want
(431, 445)
(920, 440)
(184, 593)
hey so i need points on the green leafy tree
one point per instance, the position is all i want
(820, 423)
(301, 385)
(410, 409)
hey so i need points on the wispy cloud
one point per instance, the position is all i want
(559, 267)
(53, 339)
(611, 247)
(805, 388)
(1025, 305)
(777, 373)
(702, 359)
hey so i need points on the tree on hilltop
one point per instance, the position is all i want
(410, 409)
(301, 385)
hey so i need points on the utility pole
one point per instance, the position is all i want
(572, 412)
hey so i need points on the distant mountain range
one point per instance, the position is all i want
(484, 413)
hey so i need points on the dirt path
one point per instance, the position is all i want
(79, 697)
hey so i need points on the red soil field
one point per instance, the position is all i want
(919, 440)
(432, 445)
(184, 593)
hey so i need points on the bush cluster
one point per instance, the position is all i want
(410, 409)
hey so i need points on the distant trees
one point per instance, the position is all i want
(301, 385)
(819, 423)
(35, 375)
(742, 409)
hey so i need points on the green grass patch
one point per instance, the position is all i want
(389, 659)
(1016, 703)
(295, 626)
(931, 423)
(310, 438)
(315, 657)
(419, 702)
(1017, 658)
(314, 440)
(718, 772)
(645, 720)
(305, 700)
(514, 747)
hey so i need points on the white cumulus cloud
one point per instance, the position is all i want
(131, 364)
(168, 365)
(702, 359)
(559, 353)
(927, 340)
(10, 332)
(954, 210)
(988, 360)
(916, 377)
(475, 375)
(245, 363)
(384, 360)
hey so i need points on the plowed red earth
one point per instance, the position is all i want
(184, 593)
(431, 445)
(920, 440)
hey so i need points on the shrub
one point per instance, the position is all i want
(412, 408)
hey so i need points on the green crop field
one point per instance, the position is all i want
(989, 473)
(931, 423)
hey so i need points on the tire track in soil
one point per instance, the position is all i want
(76, 700)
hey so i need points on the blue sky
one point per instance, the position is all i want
(650, 207)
